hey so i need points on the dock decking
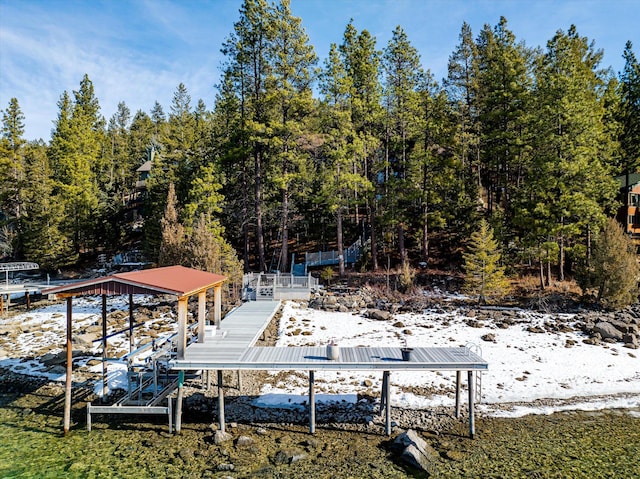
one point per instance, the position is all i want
(232, 348)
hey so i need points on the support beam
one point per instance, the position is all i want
(472, 423)
(217, 305)
(105, 385)
(220, 402)
(202, 303)
(312, 403)
(130, 323)
(387, 403)
(179, 401)
(383, 393)
(67, 392)
(458, 381)
(182, 326)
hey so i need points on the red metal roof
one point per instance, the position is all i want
(176, 280)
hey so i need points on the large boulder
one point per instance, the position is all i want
(378, 314)
(415, 451)
(607, 330)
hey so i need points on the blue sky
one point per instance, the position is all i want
(139, 51)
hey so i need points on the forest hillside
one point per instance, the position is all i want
(297, 155)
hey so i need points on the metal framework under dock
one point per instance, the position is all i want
(207, 356)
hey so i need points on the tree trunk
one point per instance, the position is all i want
(245, 217)
(340, 242)
(259, 228)
(561, 260)
(284, 251)
(401, 249)
(374, 246)
(425, 218)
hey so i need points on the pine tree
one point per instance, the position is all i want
(504, 84)
(75, 153)
(341, 183)
(613, 269)
(172, 246)
(629, 113)
(11, 160)
(293, 59)
(570, 184)
(402, 77)
(361, 61)
(42, 238)
(484, 276)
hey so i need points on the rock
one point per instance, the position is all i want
(536, 329)
(244, 441)
(415, 450)
(221, 437)
(225, 467)
(607, 330)
(378, 314)
(489, 337)
(288, 456)
(398, 324)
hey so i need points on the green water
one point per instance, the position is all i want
(568, 445)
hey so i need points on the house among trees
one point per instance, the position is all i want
(629, 212)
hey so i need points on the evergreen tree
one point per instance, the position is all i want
(629, 114)
(75, 151)
(248, 67)
(484, 276)
(362, 63)
(613, 269)
(341, 181)
(42, 238)
(504, 86)
(290, 81)
(402, 76)
(570, 184)
(172, 245)
(11, 160)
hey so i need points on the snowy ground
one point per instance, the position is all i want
(528, 372)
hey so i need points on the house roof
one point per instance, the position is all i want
(175, 280)
(634, 179)
(146, 166)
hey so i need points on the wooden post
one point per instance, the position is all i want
(67, 392)
(458, 381)
(387, 404)
(472, 424)
(28, 300)
(202, 303)
(182, 326)
(105, 384)
(130, 322)
(312, 403)
(217, 304)
(220, 401)
(2, 305)
(179, 401)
